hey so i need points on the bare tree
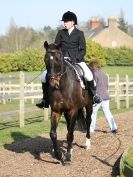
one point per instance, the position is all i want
(122, 24)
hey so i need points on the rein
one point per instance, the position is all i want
(62, 73)
(58, 74)
(57, 77)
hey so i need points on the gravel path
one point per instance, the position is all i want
(32, 157)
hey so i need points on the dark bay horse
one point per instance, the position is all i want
(66, 97)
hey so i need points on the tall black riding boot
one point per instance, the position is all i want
(92, 88)
(44, 102)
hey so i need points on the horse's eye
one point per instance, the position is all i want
(51, 57)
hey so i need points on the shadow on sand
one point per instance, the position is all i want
(34, 146)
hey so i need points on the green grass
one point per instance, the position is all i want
(13, 105)
(35, 125)
(34, 122)
(128, 159)
(121, 70)
(111, 70)
(126, 164)
(11, 131)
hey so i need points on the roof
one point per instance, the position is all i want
(110, 36)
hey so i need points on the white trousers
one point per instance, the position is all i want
(107, 113)
(87, 73)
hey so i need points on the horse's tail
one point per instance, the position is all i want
(81, 121)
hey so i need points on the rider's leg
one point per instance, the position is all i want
(91, 84)
(92, 88)
(44, 102)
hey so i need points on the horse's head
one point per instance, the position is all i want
(54, 63)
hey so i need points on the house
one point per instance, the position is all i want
(109, 36)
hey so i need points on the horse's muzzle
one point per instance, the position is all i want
(54, 83)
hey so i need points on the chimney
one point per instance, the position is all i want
(94, 23)
(112, 21)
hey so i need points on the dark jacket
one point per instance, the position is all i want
(74, 45)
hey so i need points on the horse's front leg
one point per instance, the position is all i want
(55, 117)
(70, 137)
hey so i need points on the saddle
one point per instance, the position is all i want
(79, 73)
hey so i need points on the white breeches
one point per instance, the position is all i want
(43, 77)
(87, 72)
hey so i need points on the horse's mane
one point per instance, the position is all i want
(54, 46)
(72, 70)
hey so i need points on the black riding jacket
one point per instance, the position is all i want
(73, 45)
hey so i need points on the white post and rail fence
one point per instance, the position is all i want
(119, 89)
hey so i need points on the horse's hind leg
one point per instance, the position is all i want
(88, 123)
(55, 117)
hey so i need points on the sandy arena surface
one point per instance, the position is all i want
(33, 157)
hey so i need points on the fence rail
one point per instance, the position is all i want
(119, 88)
(16, 88)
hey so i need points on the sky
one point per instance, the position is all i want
(40, 13)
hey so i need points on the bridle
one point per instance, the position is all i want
(55, 78)
(58, 75)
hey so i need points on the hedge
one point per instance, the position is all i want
(28, 60)
(32, 59)
(119, 57)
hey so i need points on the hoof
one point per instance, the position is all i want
(66, 162)
(87, 144)
(87, 147)
(58, 155)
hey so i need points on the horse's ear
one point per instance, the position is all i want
(46, 45)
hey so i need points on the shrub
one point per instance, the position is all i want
(28, 60)
(95, 51)
(119, 57)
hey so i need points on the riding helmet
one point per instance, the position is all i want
(69, 16)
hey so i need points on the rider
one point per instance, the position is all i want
(73, 46)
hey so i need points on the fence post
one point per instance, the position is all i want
(21, 97)
(46, 113)
(32, 89)
(9, 87)
(0, 87)
(127, 93)
(4, 94)
(117, 92)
